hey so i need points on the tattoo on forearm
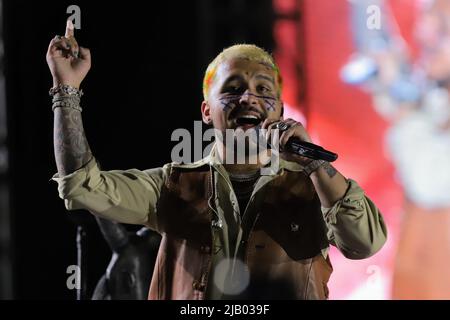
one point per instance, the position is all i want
(329, 169)
(71, 147)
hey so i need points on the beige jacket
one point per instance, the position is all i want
(275, 216)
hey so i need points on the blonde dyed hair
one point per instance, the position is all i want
(243, 51)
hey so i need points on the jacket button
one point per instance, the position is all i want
(205, 249)
(217, 224)
(197, 285)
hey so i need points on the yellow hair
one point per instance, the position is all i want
(246, 51)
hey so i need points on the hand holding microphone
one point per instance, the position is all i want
(295, 140)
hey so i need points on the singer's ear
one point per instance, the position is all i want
(206, 112)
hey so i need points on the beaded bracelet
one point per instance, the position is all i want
(313, 166)
(65, 96)
(65, 89)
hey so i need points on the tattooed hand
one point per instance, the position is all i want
(68, 63)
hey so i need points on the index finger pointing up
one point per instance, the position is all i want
(69, 29)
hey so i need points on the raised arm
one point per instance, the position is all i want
(69, 65)
(126, 196)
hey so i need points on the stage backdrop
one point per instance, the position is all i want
(342, 119)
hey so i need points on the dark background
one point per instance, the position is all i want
(148, 59)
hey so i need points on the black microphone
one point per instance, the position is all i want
(310, 150)
(306, 149)
(295, 145)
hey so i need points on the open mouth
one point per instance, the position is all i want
(248, 120)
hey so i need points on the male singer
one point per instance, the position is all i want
(227, 231)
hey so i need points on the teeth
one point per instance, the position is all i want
(248, 119)
(249, 116)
